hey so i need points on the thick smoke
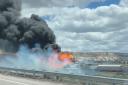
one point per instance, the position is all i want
(15, 31)
(20, 35)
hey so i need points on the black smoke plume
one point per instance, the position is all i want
(15, 31)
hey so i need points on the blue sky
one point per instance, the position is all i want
(103, 3)
(48, 17)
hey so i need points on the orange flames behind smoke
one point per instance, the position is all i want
(64, 56)
(60, 60)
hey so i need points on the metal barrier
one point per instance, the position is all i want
(85, 79)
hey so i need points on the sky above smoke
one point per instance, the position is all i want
(84, 25)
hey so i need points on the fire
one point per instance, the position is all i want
(61, 59)
(66, 56)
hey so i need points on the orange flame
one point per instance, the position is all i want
(63, 56)
(60, 60)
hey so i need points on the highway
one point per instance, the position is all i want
(10, 80)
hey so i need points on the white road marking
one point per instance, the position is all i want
(15, 82)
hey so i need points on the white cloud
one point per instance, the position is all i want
(57, 3)
(102, 19)
(102, 29)
(83, 41)
(124, 3)
(49, 3)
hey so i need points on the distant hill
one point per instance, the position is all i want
(102, 56)
(96, 54)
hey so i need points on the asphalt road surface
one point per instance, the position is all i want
(9, 80)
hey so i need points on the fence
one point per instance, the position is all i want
(83, 79)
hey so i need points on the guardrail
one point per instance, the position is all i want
(84, 79)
